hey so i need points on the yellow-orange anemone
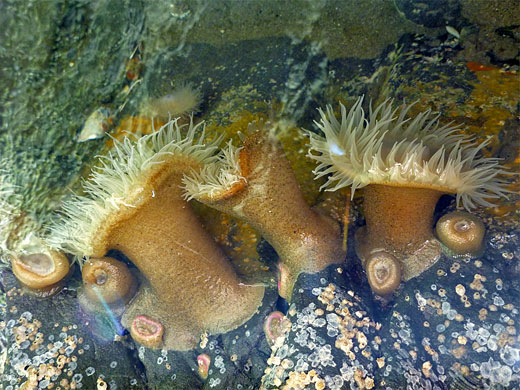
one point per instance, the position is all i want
(255, 183)
(40, 272)
(462, 233)
(108, 280)
(383, 273)
(135, 205)
(404, 165)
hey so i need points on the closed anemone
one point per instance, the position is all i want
(461, 233)
(40, 271)
(383, 273)
(108, 280)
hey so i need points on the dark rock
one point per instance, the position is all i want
(433, 13)
(71, 348)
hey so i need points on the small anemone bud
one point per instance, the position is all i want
(203, 363)
(183, 100)
(461, 233)
(275, 326)
(147, 331)
(383, 273)
(39, 271)
(108, 279)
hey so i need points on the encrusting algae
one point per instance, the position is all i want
(134, 204)
(256, 183)
(404, 166)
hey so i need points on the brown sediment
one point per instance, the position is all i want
(399, 220)
(191, 286)
(270, 200)
(40, 272)
(462, 233)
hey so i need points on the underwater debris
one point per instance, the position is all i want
(97, 125)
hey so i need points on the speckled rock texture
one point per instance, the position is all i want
(455, 326)
(53, 341)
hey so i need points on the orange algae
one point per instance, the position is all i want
(236, 123)
(477, 67)
(293, 142)
(237, 239)
(491, 103)
(138, 125)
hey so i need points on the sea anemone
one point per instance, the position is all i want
(183, 100)
(383, 273)
(276, 325)
(134, 204)
(461, 233)
(37, 267)
(255, 183)
(107, 281)
(41, 272)
(203, 363)
(147, 332)
(404, 165)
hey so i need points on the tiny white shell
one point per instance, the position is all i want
(96, 125)
(453, 32)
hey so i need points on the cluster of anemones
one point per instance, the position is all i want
(136, 202)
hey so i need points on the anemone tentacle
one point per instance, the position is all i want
(114, 184)
(217, 177)
(386, 148)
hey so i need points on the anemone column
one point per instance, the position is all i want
(192, 282)
(405, 165)
(264, 192)
(399, 220)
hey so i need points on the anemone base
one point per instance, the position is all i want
(179, 333)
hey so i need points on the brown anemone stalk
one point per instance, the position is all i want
(403, 165)
(399, 220)
(255, 183)
(136, 207)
